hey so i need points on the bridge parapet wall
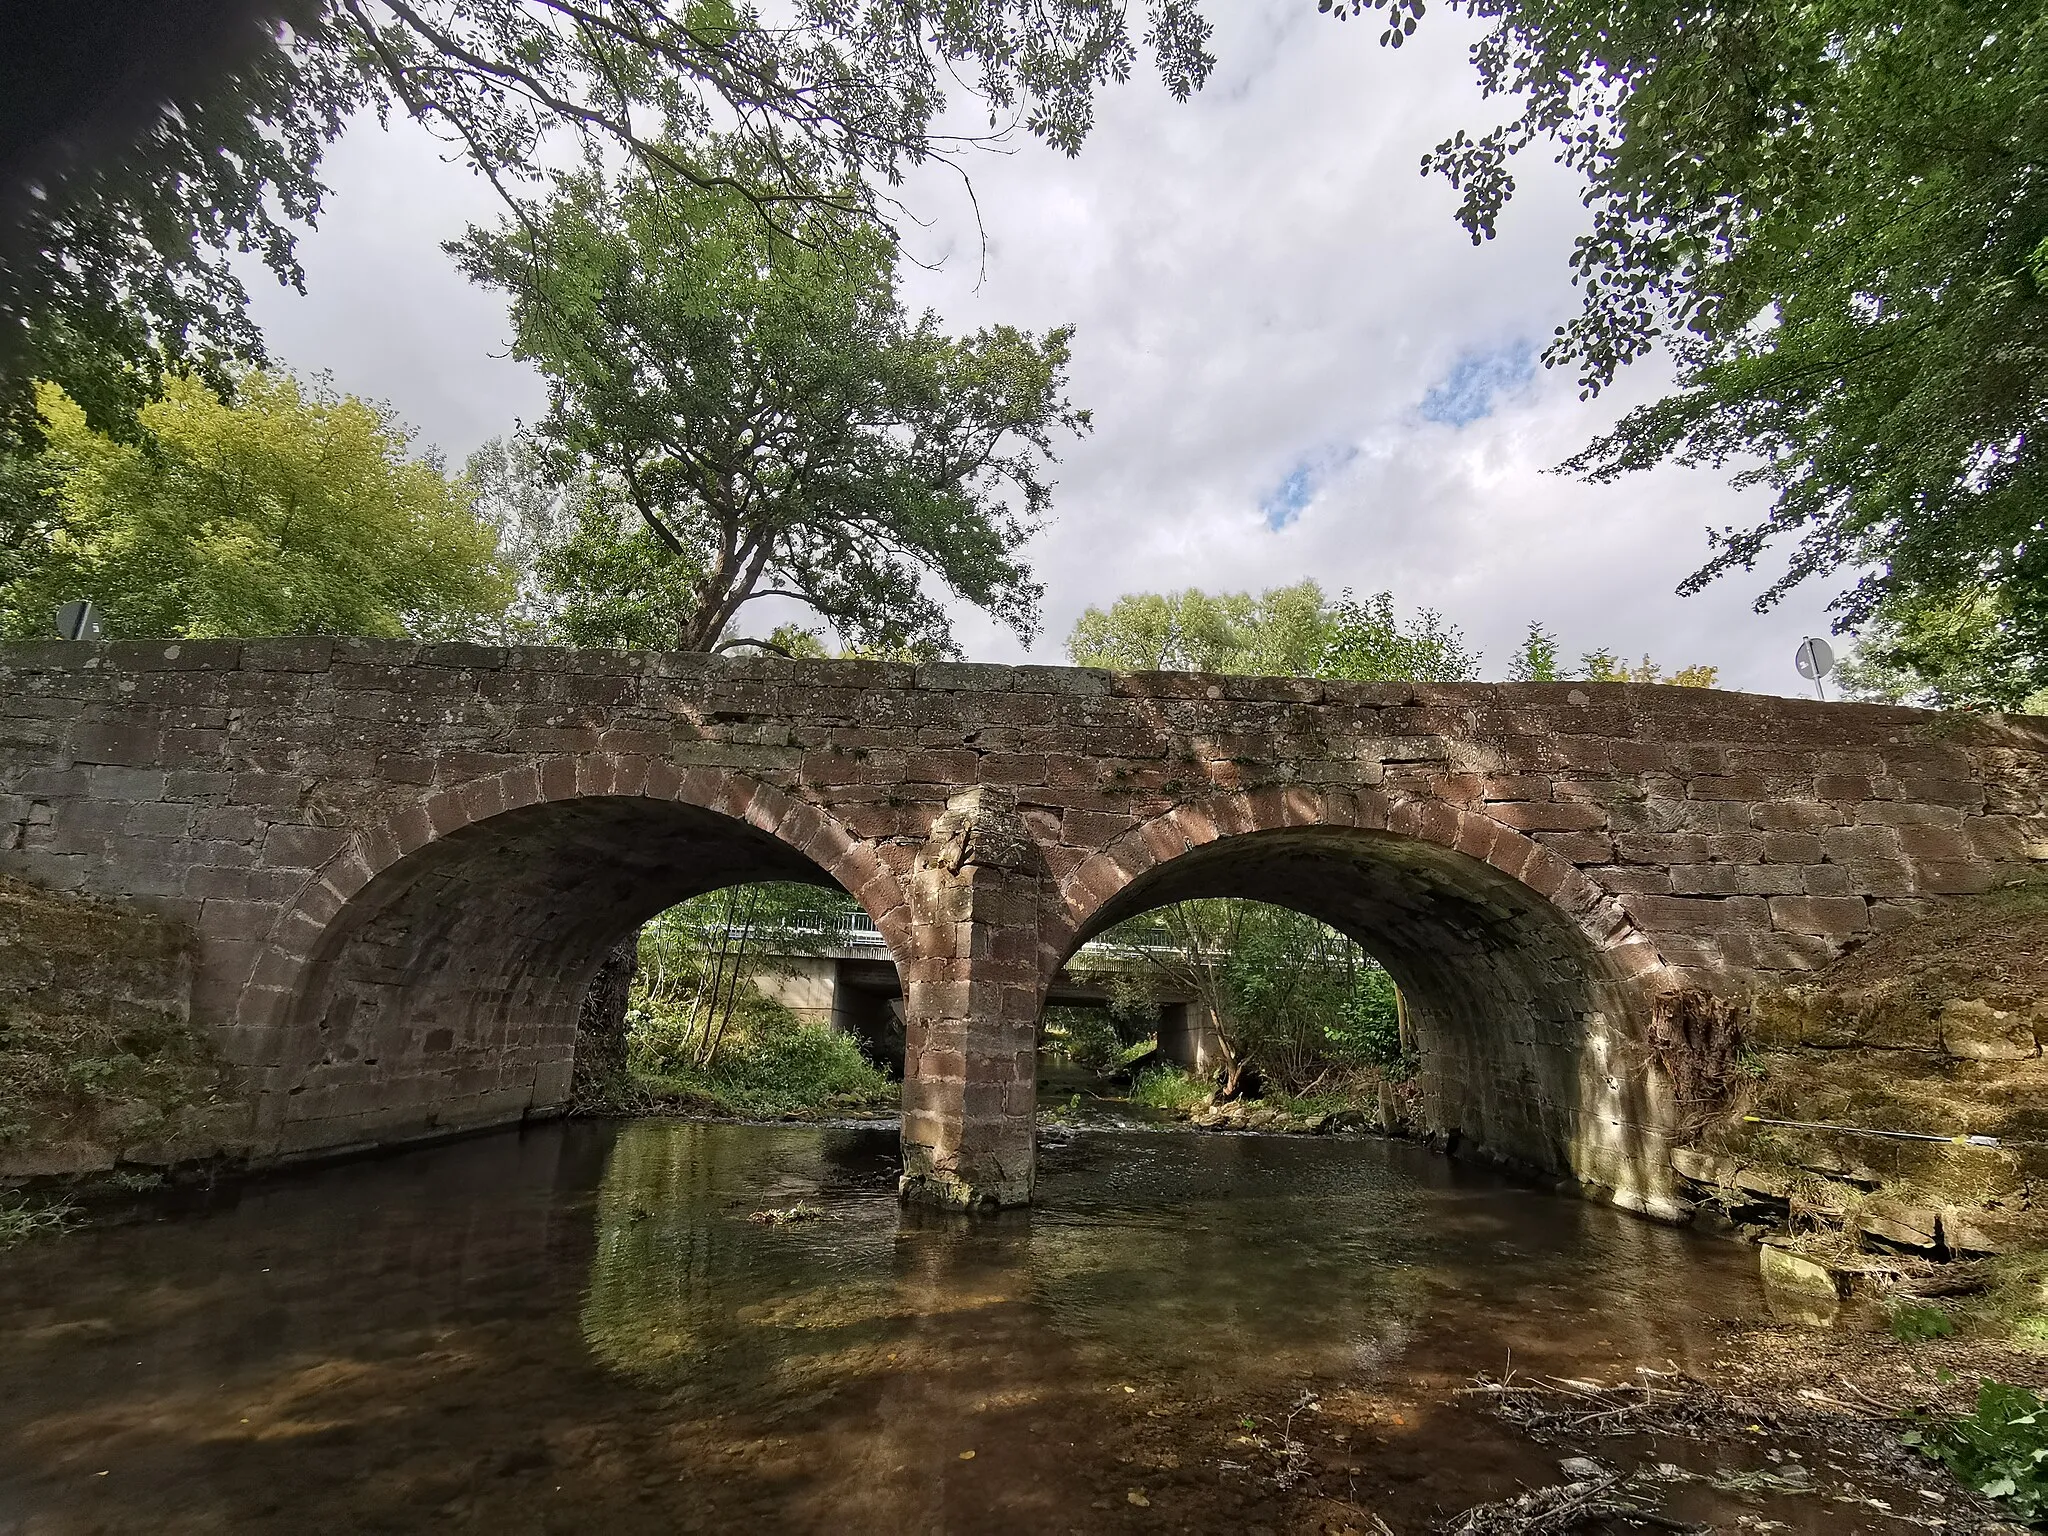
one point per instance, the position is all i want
(259, 789)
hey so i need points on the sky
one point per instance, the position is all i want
(1299, 364)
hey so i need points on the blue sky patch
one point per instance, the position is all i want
(1295, 493)
(1285, 504)
(1468, 390)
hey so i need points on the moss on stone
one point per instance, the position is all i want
(99, 1059)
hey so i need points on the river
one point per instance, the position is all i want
(583, 1327)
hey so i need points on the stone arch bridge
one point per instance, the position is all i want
(402, 863)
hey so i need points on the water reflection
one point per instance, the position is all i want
(1166, 1256)
(579, 1328)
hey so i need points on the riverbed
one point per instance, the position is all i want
(596, 1327)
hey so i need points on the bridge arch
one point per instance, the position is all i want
(429, 975)
(1529, 988)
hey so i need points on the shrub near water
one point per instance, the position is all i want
(2000, 1450)
(771, 1063)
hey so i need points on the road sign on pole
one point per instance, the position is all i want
(78, 621)
(1815, 659)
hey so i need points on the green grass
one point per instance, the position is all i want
(21, 1220)
(1170, 1088)
(772, 1065)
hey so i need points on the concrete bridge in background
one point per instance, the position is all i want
(402, 863)
(847, 981)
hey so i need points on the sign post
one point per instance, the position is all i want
(78, 621)
(1815, 659)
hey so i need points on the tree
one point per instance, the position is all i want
(1282, 632)
(1833, 216)
(736, 412)
(699, 959)
(1948, 654)
(136, 152)
(1605, 667)
(1287, 997)
(139, 148)
(293, 511)
(1536, 661)
(1370, 644)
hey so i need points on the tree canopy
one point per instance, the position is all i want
(118, 220)
(1282, 632)
(1537, 661)
(736, 411)
(1958, 650)
(1835, 218)
(1292, 631)
(1372, 644)
(293, 511)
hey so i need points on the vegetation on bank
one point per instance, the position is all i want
(1299, 631)
(701, 1036)
(1292, 1006)
(772, 1065)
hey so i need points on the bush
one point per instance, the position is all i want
(1171, 1088)
(1088, 1037)
(771, 1063)
(1914, 1322)
(1999, 1450)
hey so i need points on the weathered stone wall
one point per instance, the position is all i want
(99, 1062)
(403, 863)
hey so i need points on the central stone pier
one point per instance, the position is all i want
(971, 1000)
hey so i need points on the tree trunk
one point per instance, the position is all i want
(601, 1029)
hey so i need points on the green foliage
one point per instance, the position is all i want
(1915, 1322)
(1949, 650)
(699, 960)
(1370, 644)
(1536, 661)
(1831, 215)
(835, 99)
(1282, 632)
(1606, 667)
(119, 260)
(698, 1026)
(22, 1219)
(1170, 1088)
(801, 437)
(117, 270)
(2000, 1450)
(1088, 1037)
(1367, 1028)
(773, 1064)
(1285, 993)
(289, 512)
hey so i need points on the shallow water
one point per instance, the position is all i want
(579, 1328)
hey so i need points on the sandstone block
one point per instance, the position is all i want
(1973, 1030)
(1825, 915)
(1798, 1275)
(1972, 1230)
(1905, 1226)
(1703, 1167)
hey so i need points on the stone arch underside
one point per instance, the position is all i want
(1529, 1027)
(444, 992)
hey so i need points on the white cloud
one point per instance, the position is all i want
(1266, 293)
